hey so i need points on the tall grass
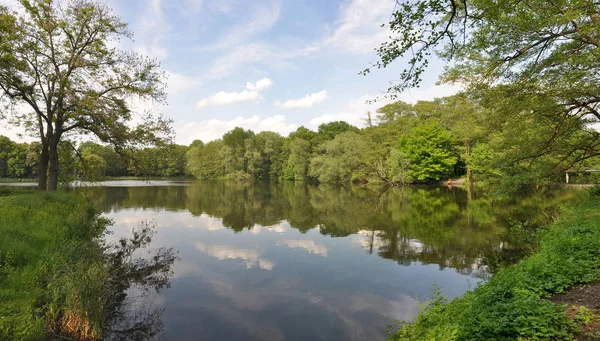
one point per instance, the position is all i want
(57, 275)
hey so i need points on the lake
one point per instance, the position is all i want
(293, 261)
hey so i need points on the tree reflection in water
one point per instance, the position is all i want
(430, 225)
(134, 276)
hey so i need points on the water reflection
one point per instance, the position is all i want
(135, 277)
(251, 257)
(428, 225)
(293, 261)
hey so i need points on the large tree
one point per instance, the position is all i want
(60, 60)
(512, 53)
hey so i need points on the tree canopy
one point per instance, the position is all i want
(541, 57)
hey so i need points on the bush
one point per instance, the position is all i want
(595, 189)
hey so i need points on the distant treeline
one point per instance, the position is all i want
(401, 143)
(91, 161)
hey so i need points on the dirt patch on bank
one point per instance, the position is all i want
(583, 307)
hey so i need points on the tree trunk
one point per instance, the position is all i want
(43, 168)
(469, 173)
(53, 168)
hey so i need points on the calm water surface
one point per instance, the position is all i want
(299, 262)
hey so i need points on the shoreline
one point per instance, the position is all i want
(518, 302)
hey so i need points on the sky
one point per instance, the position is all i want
(264, 64)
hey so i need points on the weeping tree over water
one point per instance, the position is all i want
(62, 76)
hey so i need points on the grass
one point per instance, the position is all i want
(8, 180)
(51, 266)
(60, 279)
(513, 305)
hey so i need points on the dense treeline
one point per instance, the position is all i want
(402, 143)
(91, 161)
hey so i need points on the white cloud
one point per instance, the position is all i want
(279, 228)
(252, 92)
(212, 129)
(358, 28)
(251, 257)
(16, 134)
(354, 112)
(305, 102)
(308, 245)
(178, 82)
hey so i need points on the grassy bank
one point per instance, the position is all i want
(514, 304)
(51, 267)
(58, 278)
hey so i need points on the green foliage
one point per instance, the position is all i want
(429, 148)
(511, 305)
(58, 278)
(328, 131)
(298, 161)
(40, 237)
(343, 159)
(532, 68)
(398, 167)
(17, 160)
(203, 161)
(585, 316)
(595, 189)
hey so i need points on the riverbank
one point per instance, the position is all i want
(50, 266)
(516, 303)
(59, 279)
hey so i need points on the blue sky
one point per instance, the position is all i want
(264, 65)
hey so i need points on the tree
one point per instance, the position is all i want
(429, 148)
(235, 139)
(58, 59)
(465, 119)
(6, 148)
(509, 53)
(343, 160)
(196, 143)
(299, 160)
(332, 129)
(270, 145)
(203, 160)
(303, 133)
(392, 112)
